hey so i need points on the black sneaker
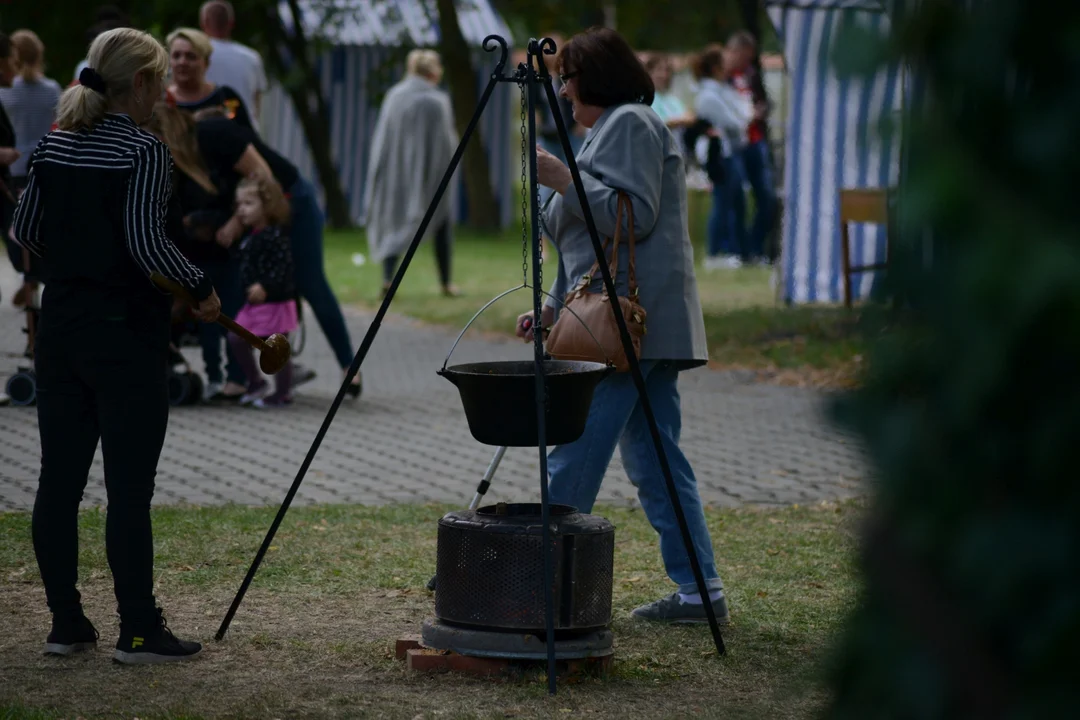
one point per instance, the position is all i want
(356, 387)
(151, 645)
(71, 634)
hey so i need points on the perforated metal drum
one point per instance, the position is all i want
(491, 568)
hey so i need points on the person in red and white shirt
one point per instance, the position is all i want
(754, 163)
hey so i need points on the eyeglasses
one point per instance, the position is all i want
(564, 77)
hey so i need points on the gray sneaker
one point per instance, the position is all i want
(672, 609)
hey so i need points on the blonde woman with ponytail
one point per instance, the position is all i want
(94, 211)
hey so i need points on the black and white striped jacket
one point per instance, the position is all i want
(94, 210)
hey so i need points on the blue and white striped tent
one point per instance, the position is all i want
(364, 35)
(832, 142)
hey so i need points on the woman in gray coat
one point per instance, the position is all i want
(628, 148)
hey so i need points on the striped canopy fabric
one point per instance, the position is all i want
(366, 58)
(832, 142)
(362, 23)
(871, 5)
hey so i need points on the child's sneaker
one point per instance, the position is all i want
(152, 644)
(256, 394)
(71, 634)
(272, 402)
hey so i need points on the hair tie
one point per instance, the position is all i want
(92, 79)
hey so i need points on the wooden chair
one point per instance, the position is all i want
(870, 205)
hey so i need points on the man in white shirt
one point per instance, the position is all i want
(232, 64)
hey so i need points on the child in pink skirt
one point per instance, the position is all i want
(266, 274)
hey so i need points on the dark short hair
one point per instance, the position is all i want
(705, 63)
(657, 60)
(5, 45)
(608, 71)
(217, 13)
(743, 39)
(108, 17)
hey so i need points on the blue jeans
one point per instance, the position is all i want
(226, 279)
(724, 238)
(310, 275)
(616, 418)
(755, 168)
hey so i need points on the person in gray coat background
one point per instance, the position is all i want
(413, 143)
(629, 148)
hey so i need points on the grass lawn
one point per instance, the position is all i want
(746, 327)
(315, 634)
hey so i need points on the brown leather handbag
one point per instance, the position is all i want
(570, 340)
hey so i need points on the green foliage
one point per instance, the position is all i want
(63, 24)
(971, 606)
(649, 25)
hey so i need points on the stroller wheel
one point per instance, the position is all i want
(180, 388)
(22, 388)
(195, 394)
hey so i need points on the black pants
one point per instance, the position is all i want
(102, 381)
(442, 257)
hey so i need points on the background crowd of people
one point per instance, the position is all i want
(725, 135)
(209, 119)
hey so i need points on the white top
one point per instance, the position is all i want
(31, 107)
(241, 68)
(728, 110)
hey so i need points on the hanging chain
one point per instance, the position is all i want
(526, 225)
(540, 236)
(524, 188)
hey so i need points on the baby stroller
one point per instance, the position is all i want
(185, 385)
(21, 387)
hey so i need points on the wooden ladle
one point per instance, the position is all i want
(274, 351)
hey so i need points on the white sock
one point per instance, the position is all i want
(695, 598)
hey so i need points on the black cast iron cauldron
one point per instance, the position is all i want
(500, 399)
(491, 568)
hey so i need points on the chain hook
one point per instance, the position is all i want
(524, 187)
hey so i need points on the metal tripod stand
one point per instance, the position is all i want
(531, 73)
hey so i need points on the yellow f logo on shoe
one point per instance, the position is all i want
(136, 642)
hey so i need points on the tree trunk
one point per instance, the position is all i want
(483, 209)
(311, 108)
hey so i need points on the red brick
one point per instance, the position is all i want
(423, 660)
(406, 643)
(478, 665)
(586, 666)
(602, 665)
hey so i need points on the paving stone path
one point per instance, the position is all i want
(407, 439)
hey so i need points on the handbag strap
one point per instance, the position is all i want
(631, 266)
(624, 207)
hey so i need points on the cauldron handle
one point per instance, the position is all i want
(500, 296)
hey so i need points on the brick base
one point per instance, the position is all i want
(422, 659)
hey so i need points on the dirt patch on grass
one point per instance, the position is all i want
(315, 635)
(324, 656)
